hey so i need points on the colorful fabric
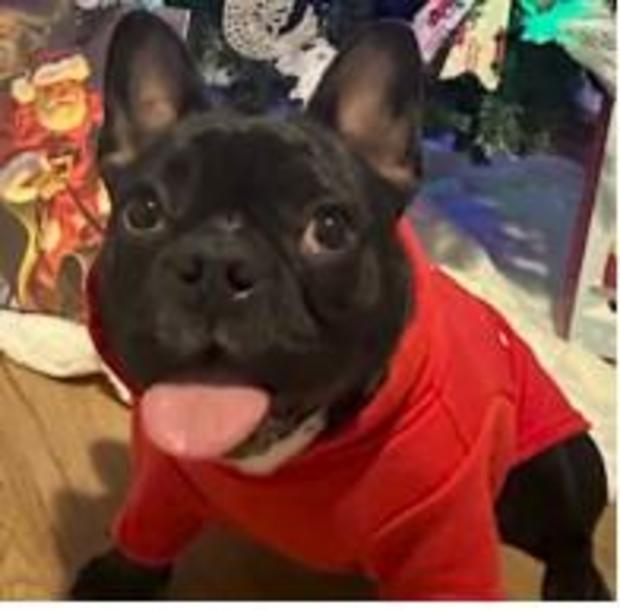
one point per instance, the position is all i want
(49, 179)
(53, 204)
(479, 46)
(436, 20)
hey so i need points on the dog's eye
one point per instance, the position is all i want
(144, 216)
(328, 230)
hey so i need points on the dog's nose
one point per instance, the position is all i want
(241, 278)
(236, 275)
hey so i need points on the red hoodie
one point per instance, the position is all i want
(405, 491)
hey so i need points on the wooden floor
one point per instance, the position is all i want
(63, 465)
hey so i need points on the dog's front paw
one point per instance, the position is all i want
(112, 576)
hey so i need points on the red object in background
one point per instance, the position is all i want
(405, 491)
(564, 308)
(50, 180)
(610, 276)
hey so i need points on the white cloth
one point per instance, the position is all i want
(48, 344)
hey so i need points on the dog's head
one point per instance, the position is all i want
(250, 273)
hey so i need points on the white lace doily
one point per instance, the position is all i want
(252, 28)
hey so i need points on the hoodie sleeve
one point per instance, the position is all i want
(457, 558)
(162, 512)
(444, 546)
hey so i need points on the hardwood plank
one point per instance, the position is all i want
(62, 468)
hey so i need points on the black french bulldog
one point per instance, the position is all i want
(263, 249)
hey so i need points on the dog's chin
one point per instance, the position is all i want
(279, 425)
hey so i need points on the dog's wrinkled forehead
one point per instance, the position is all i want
(254, 145)
(220, 159)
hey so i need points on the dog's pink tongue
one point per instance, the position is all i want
(200, 420)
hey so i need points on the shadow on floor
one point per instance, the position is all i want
(83, 520)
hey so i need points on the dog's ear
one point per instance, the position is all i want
(150, 82)
(372, 95)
